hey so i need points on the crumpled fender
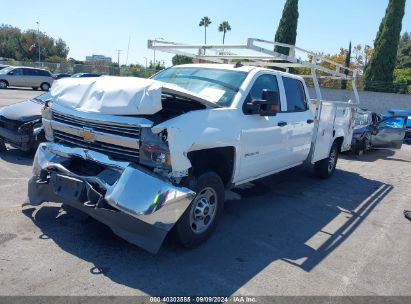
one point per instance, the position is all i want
(198, 130)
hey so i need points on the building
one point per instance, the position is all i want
(98, 58)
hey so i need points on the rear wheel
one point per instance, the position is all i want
(3, 84)
(326, 167)
(202, 216)
(45, 86)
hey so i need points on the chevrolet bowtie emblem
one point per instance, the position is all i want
(88, 135)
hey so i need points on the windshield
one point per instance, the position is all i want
(218, 86)
(361, 119)
(6, 70)
(43, 97)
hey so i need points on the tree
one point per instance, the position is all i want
(224, 27)
(23, 46)
(205, 21)
(181, 59)
(287, 29)
(381, 67)
(347, 65)
(404, 52)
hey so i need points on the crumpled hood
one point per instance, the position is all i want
(24, 111)
(114, 95)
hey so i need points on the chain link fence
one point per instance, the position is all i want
(70, 68)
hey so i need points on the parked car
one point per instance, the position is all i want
(3, 66)
(80, 75)
(372, 131)
(147, 155)
(399, 112)
(25, 77)
(20, 124)
(61, 75)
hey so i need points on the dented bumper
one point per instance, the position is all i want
(136, 204)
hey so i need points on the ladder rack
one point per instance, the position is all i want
(264, 55)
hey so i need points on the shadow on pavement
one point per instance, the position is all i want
(17, 157)
(374, 155)
(291, 217)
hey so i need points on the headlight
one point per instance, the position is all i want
(47, 115)
(154, 151)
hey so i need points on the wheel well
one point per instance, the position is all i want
(5, 81)
(339, 141)
(219, 160)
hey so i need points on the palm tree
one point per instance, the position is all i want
(224, 27)
(205, 21)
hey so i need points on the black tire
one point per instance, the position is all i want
(45, 86)
(186, 231)
(326, 167)
(35, 88)
(3, 84)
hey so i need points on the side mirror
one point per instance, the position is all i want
(268, 105)
(10, 73)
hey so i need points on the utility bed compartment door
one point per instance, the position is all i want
(325, 134)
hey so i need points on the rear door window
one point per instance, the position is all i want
(294, 92)
(29, 72)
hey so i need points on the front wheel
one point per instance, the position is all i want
(326, 167)
(202, 216)
(3, 84)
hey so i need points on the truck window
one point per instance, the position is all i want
(294, 91)
(263, 82)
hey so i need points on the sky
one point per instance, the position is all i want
(102, 27)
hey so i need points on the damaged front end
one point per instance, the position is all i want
(137, 204)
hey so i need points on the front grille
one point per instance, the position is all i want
(107, 128)
(114, 151)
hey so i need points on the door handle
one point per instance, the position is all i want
(282, 124)
(310, 121)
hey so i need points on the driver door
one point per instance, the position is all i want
(263, 138)
(390, 133)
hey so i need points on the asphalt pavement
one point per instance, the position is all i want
(13, 95)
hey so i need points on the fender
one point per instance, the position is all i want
(198, 130)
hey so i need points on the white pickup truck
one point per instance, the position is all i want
(147, 156)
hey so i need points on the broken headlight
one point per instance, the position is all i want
(47, 116)
(154, 151)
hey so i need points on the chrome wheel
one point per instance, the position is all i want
(203, 210)
(3, 85)
(332, 160)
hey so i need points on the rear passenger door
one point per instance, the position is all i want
(29, 78)
(299, 119)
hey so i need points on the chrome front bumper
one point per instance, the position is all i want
(136, 204)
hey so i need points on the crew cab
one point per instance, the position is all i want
(147, 156)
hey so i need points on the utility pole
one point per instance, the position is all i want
(118, 57)
(146, 62)
(38, 40)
